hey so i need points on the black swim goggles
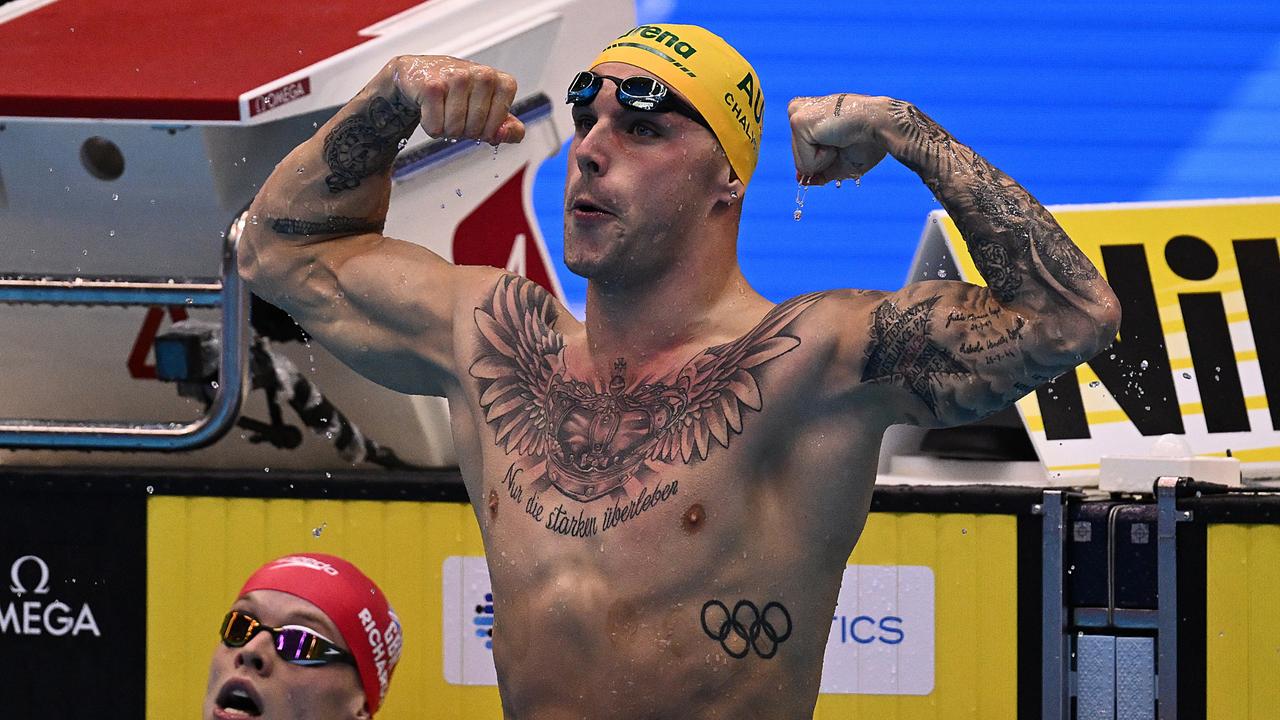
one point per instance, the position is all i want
(294, 644)
(638, 92)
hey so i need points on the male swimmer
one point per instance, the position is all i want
(669, 491)
(309, 636)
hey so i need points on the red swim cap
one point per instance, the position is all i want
(368, 625)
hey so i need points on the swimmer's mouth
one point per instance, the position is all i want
(238, 699)
(586, 207)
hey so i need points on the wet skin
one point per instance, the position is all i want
(690, 454)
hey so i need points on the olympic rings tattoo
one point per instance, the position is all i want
(839, 104)
(751, 632)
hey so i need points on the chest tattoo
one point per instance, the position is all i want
(591, 440)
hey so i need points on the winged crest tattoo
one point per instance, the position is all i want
(591, 440)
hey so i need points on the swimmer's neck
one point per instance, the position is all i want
(653, 324)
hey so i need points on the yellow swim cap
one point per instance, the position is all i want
(710, 74)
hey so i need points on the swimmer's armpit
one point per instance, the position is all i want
(332, 225)
(366, 143)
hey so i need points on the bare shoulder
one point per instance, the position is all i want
(837, 325)
(498, 298)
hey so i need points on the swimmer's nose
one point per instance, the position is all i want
(592, 155)
(256, 655)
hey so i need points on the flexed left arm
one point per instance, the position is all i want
(1045, 308)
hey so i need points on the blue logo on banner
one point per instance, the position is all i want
(864, 629)
(484, 621)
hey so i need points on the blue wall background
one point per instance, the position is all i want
(1081, 102)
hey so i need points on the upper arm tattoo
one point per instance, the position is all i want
(332, 225)
(590, 440)
(903, 352)
(366, 143)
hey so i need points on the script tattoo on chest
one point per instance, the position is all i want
(591, 441)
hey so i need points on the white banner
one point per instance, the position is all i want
(881, 640)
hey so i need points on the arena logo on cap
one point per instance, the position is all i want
(34, 617)
(664, 37)
(302, 561)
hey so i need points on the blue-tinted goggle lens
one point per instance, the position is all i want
(638, 92)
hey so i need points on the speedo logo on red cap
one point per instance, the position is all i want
(302, 561)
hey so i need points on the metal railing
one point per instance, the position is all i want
(228, 294)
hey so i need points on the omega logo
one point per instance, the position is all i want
(35, 617)
(18, 588)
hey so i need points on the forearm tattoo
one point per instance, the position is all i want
(366, 142)
(1011, 236)
(332, 225)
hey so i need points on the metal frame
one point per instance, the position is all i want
(229, 294)
(1168, 517)
(1055, 652)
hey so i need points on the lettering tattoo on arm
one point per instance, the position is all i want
(366, 143)
(902, 351)
(1015, 242)
(332, 225)
(593, 441)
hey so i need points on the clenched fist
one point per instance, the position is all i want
(459, 99)
(838, 136)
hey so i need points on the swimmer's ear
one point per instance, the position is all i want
(732, 188)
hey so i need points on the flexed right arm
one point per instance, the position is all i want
(312, 241)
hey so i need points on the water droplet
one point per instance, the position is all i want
(1143, 364)
(441, 206)
(316, 532)
(301, 169)
(802, 189)
(942, 273)
(266, 469)
(1095, 383)
(84, 252)
(115, 196)
(1186, 376)
(458, 192)
(151, 489)
(838, 184)
(111, 233)
(403, 141)
(215, 384)
(858, 181)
